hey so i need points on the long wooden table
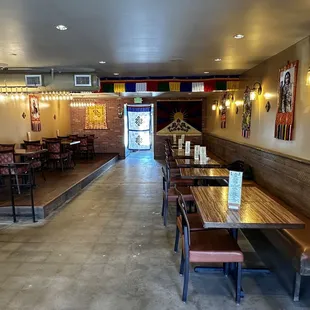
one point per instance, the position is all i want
(192, 163)
(177, 154)
(204, 173)
(257, 210)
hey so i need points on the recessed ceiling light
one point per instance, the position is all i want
(116, 73)
(206, 72)
(239, 36)
(61, 27)
(102, 62)
(217, 59)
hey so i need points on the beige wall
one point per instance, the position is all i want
(262, 128)
(13, 128)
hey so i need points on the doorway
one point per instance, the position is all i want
(138, 128)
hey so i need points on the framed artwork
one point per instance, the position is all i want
(286, 103)
(96, 117)
(35, 113)
(223, 111)
(247, 113)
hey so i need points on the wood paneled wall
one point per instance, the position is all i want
(286, 177)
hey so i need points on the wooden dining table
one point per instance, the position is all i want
(258, 210)
(177, 154)
(204, 173)
(192, 163)
(24, 152)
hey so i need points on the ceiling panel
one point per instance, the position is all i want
(146, 37)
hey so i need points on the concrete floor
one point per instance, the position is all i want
(107, 249)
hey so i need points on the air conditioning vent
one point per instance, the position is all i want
(82, 80)
(33, 80)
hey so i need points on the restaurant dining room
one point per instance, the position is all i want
(154, 155)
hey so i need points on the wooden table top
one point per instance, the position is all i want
(25, 152)
(176, 153)
(257, 210)
(204, 173)
(191, 163)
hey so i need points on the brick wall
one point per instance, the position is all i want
(109, 140)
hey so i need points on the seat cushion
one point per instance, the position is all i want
(211, 246)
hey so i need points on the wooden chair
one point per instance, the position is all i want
(55, 154)
(7, 147)
(36, 161)
(208, 246)
(91, 145)
(20, 176)
(169, 193)
(83, 147)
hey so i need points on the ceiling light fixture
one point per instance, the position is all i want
(61, 27)
(239, 36)
(102, 62)
(206, 72)
(217, 59)
(116, 73)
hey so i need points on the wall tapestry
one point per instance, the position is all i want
(223, 111)
(286, 104)
(35, 113)
(179, 117)
(139, 127)
(96, 117)
(247, 113)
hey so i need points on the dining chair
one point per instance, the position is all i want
(7, 147)
(91, 145)
(193, 217)
(83, 147)
(208, 246)
(55, 154)
(20, 176)
(36, 161)
(169, 193)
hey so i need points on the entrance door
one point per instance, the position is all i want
(139, 127)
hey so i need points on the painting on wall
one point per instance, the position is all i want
(286, 104)
(35, 113)
(247, 113)
(179, 117)
(96, 117)
(223, 111)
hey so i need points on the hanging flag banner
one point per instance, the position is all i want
(286, 104)
(35, 113)
(247, 113)
(96, 117)
(139, 127)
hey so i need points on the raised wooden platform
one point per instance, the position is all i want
(58, 188)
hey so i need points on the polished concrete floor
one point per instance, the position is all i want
(108, 250)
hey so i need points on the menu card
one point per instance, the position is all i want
(57, 133)
(196, 152)
(203, 155)
(28, 136)
(234, 189)
(187, 148)
(180, 145)
(183, 138)
(174, 139)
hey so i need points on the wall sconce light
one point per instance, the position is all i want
(120, 110)
(256, 90)
(267, 96)
(214, 105)
(220, 107)
(308, 77)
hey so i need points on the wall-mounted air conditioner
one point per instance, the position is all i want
(82, 80)
(32, 80)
